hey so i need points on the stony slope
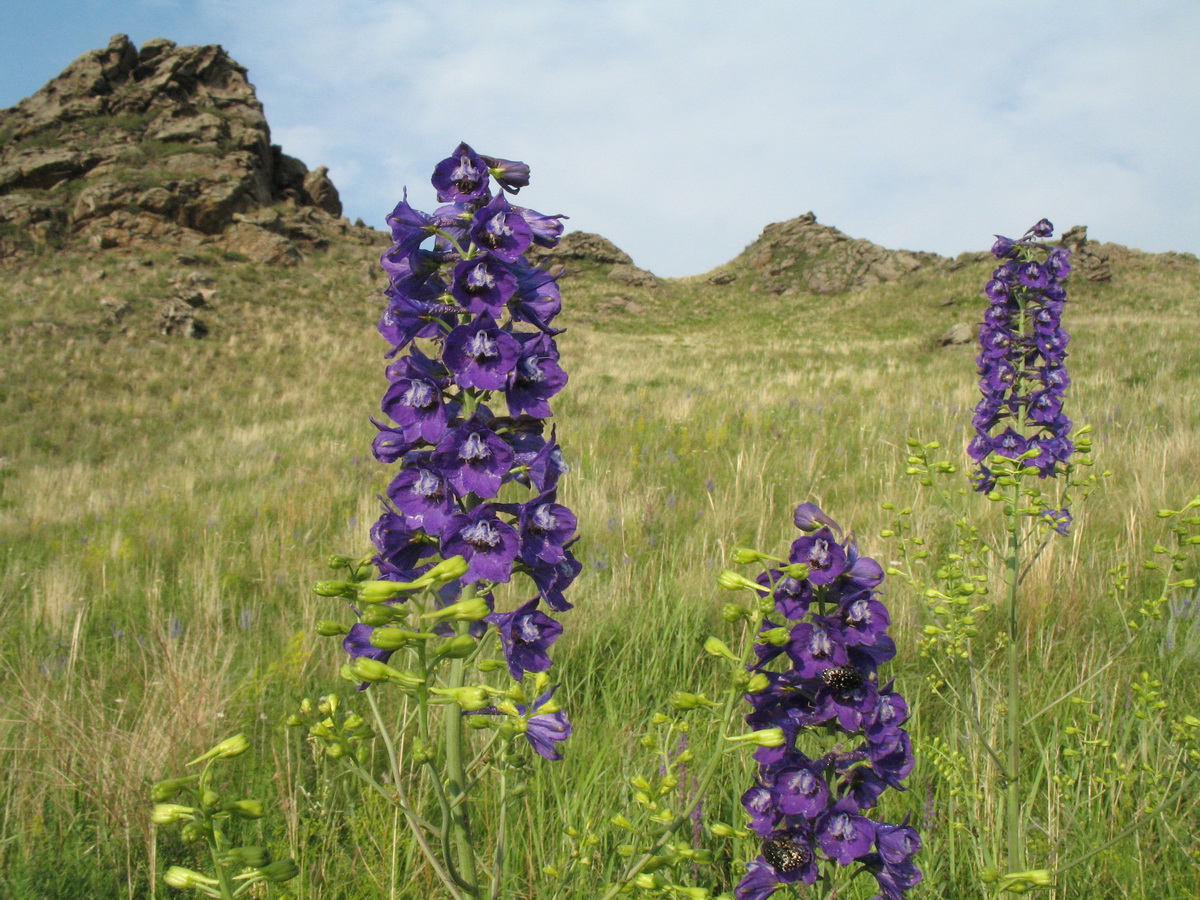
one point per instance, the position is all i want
(162, 146)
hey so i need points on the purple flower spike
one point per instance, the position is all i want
(461, 177)
(526, 634)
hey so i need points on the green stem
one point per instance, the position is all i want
(460, 825)
(1016, 847)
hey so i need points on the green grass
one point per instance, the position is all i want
(165, 506)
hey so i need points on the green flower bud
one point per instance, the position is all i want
(720, 829)
(209, 799)
(167, 813)
(194, 832)
(165, 790)
(366, 669)
(246, 809)
(758, 682)
(681, 700)
(776, 637)
(376, 614)
(468, 697)
(799, 571)
(619, 821)
(492, 665)
(378, 591)
(716, 647)
(744, 556)
(735, 581)
(329, 628)
(185, 879)
(766, 737)
(335, 751)
(328, 705)
(446, 571)
(334, 588)
(293, 721)
(463, 611)
(353, 722)
(227, 749)
(732, 612)
(280, 871)
(337, 561)
(457, 647)
(421, 752)
(250, 857)
(989, 875)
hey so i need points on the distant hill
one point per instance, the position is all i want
(162, 146)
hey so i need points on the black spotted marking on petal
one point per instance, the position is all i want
(786, 856)
(842, 678)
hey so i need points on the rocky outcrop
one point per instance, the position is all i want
(583, 252)
(801, 255)
(162, 145)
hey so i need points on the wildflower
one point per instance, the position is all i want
(810, 811)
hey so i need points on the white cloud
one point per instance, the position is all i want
(679, 129)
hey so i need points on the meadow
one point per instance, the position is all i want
(168, 503)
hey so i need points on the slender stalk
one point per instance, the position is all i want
(460, 824)
(1016, 845)
(414, 821)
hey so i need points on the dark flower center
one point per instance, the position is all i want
(842, 679)
(786, 856)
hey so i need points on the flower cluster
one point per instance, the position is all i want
(819, 670)
(1021, 362)
(474, 316)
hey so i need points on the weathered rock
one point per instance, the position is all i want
(174, 134)
(260, 245)
(1087, 259)
(629, 274)
(725, 276)
(179, 319)
(321, 192)
(959, 333)
(803, 255)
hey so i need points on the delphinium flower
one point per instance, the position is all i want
(470, 319)
(817, 672)
(1023, 376)
(474, 501)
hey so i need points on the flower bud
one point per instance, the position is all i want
(444, 572)
(744, 556)
(376, 615)
(619, 821)
(378, 591)
(720, 829)
(251, 857)
(492, 665)
(337, 561)
(681, 700)
(766, 737)
(227, 749)
(799, 571)
(366, 669)
(246, 809)
(463, 611)
(391, 638)
(458, 647)
(714, 646)
(185, 879)
(776, 637)
(328, 705)
(732, 612)
(469, 697)
(194, 832)
(758, 683)
(334, 589)
(734, 581)
(167, 813)
(280, 871)
(329, 628)
(165, 790)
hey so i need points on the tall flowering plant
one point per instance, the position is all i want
(473, 504)
(822, 637)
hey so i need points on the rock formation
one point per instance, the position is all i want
(803, 255)
(162, 146)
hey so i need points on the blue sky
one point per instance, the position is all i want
(680, 128)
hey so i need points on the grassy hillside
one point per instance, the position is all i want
(167, 504)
